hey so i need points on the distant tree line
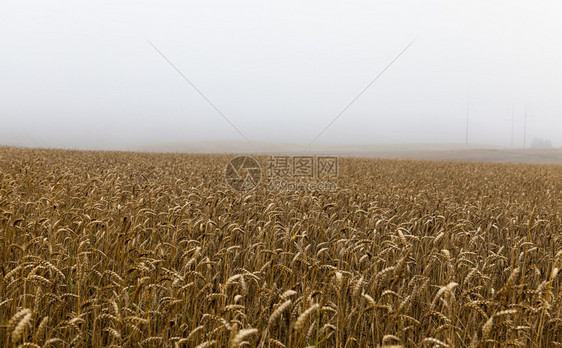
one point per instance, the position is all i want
(539, 143)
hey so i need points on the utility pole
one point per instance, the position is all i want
(525, 129)
(512, 123)
(467, 113)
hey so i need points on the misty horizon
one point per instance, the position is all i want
(84, 75)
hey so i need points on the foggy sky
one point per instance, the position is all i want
(81, 74)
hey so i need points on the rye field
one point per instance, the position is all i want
(118, 249)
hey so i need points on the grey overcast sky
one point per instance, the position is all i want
(81, 74)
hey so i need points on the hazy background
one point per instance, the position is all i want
(81, 74)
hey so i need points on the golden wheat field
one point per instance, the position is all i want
(117, 249)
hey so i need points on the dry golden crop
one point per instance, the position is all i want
(102, 249)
